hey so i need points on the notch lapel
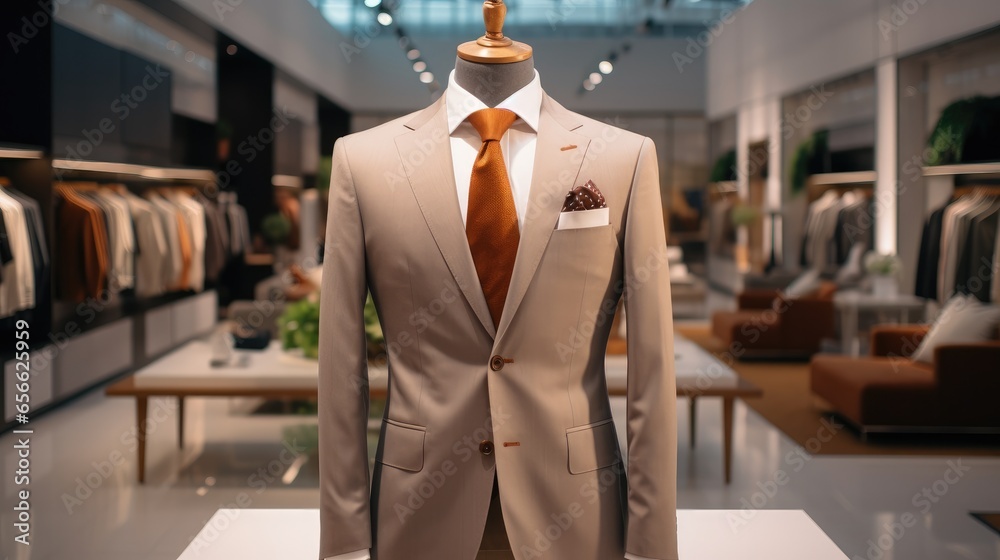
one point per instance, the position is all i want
(425, 152)
(555, 172)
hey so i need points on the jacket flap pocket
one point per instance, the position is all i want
(403, 446)
(592, 447)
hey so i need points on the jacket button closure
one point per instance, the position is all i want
(496, 363)
(486, 447)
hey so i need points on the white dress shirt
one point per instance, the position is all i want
(518, 147)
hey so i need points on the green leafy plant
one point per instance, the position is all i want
(724, 168)
(299, 327)
(966, 132)
(809, 158)
(373, 328)
(323, 173)
(275, 228)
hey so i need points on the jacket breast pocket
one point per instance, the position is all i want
(593, 446)
(403, 446)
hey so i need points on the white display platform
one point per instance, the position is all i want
(293, 534)
(273, 368)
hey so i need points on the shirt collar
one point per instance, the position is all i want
(525, 102)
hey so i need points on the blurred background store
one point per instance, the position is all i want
(830, 177)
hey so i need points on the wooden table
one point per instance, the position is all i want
(272, 374)
(772, 534)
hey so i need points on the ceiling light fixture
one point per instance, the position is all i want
(419, 66)
(596, 78)
(605, 67)
(372, 3)
(587, 85)
(426, 77)
(413, 54)
(385, 18)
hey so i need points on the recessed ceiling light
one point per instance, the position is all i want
(426, 77)
(605, 67)
(596, 78)
(413, 54)
(419, 66)
(588, 86)
(372, 3)
(385, 18)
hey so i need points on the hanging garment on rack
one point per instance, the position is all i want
(814, 225)
(930, 255)
(36, 237)
(954, 230)
(976, 257)
(121, 240)
(174, 265)
(194, 218)
(82, 248)
(152, 253)
(959, 249)
(995, 287)
(215, 238)
(854, 226)
(17, 291)
(5, 254)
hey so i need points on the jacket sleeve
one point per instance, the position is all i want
(652, 397)
(345, 525)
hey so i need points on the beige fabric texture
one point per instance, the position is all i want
(394, 227)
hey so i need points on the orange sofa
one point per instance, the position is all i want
(890, 392)
(769, 325)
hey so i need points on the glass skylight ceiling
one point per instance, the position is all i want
(535, 17)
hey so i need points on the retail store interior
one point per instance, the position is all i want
(830, 182)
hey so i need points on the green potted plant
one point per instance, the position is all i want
(966, 132)
(809, 158)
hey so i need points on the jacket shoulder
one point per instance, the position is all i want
(613, 132)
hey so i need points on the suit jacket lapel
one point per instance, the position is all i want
(555, 172)
(426, 156)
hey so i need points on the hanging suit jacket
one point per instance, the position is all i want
(534, 387)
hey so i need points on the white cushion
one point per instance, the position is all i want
(803, 285)
(964, 320)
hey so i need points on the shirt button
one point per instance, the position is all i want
(486, 447)
(496, 363)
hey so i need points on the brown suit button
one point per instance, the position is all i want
(496, 363)
(486, 447)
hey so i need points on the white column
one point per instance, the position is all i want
(886, 156)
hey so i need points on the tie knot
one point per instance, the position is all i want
(491, 124)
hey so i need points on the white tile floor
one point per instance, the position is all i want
(83, 507)
(86, 505)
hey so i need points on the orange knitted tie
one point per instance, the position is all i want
(491, 221)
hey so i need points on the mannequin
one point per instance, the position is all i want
(492, 83)
(493, 66)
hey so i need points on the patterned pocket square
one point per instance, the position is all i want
(584, 207)
(587, 197)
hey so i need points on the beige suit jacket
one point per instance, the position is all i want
(534, 387)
